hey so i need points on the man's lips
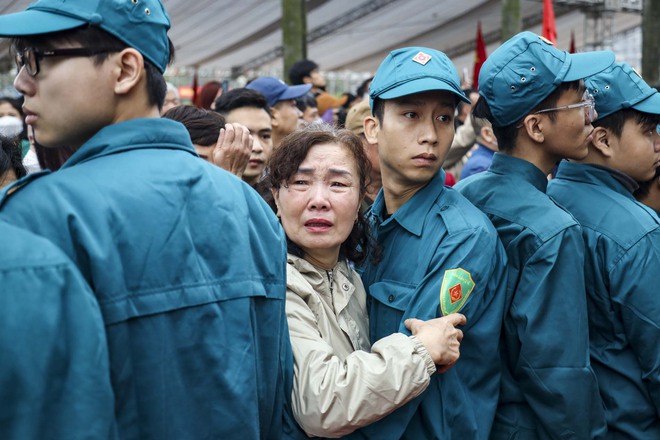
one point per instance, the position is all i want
(30, 117)
(425, 158)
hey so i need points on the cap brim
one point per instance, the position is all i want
(588, 63)
(35, 22)
(293, 92)
(425, 84)
(649, 105)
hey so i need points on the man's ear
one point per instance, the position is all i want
(601, 140)
(129, 68)
(371, 129)
(274, 116)
(534, 126)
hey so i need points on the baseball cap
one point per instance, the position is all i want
(276, 90)
(527, 68)
(141, 24)
(356, 115)
(412, 70)
(620, 86)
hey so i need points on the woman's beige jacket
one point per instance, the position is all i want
(340, 383)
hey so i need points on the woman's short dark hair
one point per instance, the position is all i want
(202, 125)
(91, 36)
(286, 160)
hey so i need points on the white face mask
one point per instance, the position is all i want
(11, 126)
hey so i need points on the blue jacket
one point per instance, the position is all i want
(622, 274)
(479, 162)
(54, 375)
(188, 265)
(440, 255)
(549, 390)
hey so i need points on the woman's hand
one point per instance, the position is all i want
(233, 149)
(440, 337)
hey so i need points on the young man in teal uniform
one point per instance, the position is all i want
(54, 375)
(186, 261)
(622, 241)
(439, 254)
(532, 94)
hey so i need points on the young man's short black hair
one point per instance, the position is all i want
(94, 37)
(300, 70)
(239, 98)
(506, 135)
(203, 125)
(615, 121)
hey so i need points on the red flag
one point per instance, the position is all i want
(571, 48)
(194, 88)
(479, 57)
(549, 28)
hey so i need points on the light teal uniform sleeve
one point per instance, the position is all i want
(549, 390)
(187, 263)
(438, 238)
(54, 373)
(622, 242)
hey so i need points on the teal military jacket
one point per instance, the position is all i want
(622, 273)
(440, 255)
(54, 374)
(549, 390)
(188, 265)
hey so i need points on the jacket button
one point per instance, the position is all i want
(390, 298)
(344, 286)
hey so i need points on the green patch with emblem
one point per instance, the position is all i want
(457, 285)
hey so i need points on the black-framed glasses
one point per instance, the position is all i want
(29, 57)
(588, 103)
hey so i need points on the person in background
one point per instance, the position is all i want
(285, 115)
(355, 123)
(248, 108)
(482, 156)
(208, 94)
(309, 108)
(438, 254)
(172, 98)
(11, 167)
(341, 382)
(532, 94)
(223, 144)
(622, 243)
(307, 72)
(195, 324)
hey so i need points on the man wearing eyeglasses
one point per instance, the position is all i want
(533, 95)
(622, 242)
(196, 327)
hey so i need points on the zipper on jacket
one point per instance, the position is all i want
(330, 274)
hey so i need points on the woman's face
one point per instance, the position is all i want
(319, 204)
(6, 109)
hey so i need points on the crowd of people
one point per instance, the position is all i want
(278, 262)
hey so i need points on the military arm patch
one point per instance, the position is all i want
(457, 285)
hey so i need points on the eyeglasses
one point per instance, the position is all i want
(29, 57)
(588, 102)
